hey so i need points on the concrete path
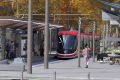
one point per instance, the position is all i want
(67, 70)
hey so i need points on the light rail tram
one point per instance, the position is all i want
(67, 43)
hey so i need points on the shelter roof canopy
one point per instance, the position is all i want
(18, 24)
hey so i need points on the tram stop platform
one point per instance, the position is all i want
(65, 70)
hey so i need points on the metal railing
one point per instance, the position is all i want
(63, 76)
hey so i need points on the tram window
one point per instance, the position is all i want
(66, 44)
(76, 42)
(70, 42)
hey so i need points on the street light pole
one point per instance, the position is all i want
(94, 24)
(29, 39)
(78, 47)
(46, 36)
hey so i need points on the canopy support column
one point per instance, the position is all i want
(3, 40)
(29, 39)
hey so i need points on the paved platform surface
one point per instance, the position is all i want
(67, 70)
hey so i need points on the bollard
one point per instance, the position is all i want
(22, 75)
(54, 76)
(89, 76)
(22, 72)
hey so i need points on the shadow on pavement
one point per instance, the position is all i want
(52, 59)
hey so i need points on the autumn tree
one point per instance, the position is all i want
(5, 8)
(88, 7)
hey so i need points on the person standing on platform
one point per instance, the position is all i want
(86, 55)
(12, 50)
(7, 48)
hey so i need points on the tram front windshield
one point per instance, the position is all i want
(66, 44)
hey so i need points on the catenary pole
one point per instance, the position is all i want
(17, 5)
(46, 36)
(94, 24)
(29, 39)
(78, 50)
